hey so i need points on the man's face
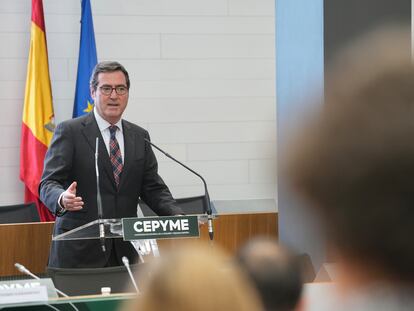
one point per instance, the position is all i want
(110, 107)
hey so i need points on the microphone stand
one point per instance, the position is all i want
(207, 196)
(125, 261)
(99, 200)
(26, 271)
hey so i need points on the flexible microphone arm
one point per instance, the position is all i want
(125, 261)
(207, 196)
(26, 271)
(99, 200)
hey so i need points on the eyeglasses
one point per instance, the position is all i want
(107, 89)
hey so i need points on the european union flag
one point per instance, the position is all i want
(87, 61)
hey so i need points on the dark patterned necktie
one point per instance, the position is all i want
(116, 158)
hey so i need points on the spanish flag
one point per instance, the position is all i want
(38, 122)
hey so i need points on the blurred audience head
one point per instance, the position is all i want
(197, 278)
(274, 271)
(354, 162)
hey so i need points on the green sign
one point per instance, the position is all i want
(160, 227)
(87, 303)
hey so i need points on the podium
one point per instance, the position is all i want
(141, 232)
(135, 228)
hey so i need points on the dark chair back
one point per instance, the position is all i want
(89, 281)
(190, 206)
(308, 272)
(19, 213)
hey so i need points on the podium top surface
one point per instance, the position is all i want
(113, 230)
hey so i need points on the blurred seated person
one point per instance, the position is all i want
(275, 272)
(354, 164)
(196, 278)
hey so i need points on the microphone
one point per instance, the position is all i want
(125, 261)
(26, 271)
(99, 200)
(207, 197)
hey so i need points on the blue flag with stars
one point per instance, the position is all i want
(87, 61)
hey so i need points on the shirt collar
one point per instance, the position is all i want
(103, 124)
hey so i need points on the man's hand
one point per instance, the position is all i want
(70, 201)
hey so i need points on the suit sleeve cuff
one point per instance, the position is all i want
(60, 210)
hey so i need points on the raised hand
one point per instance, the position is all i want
(69, 200)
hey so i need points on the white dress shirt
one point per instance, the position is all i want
(106, 134)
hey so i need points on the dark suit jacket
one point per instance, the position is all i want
(71, 157)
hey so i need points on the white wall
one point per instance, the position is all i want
(203, 84)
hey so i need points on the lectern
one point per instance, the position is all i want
(84, 281)
(135, 228)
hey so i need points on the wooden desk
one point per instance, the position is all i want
(29, 243)
(233, 230)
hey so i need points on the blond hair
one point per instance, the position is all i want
(197, 278)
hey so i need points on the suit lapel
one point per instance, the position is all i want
(90, 131)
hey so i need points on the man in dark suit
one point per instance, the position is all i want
(128, 171)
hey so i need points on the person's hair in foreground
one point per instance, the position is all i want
(355, 161)
(275, 272)
(196, 278)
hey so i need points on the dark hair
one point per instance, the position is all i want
(355, 161)
(107, 66)
(275, 272)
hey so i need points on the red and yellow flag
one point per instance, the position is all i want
(38, 125)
